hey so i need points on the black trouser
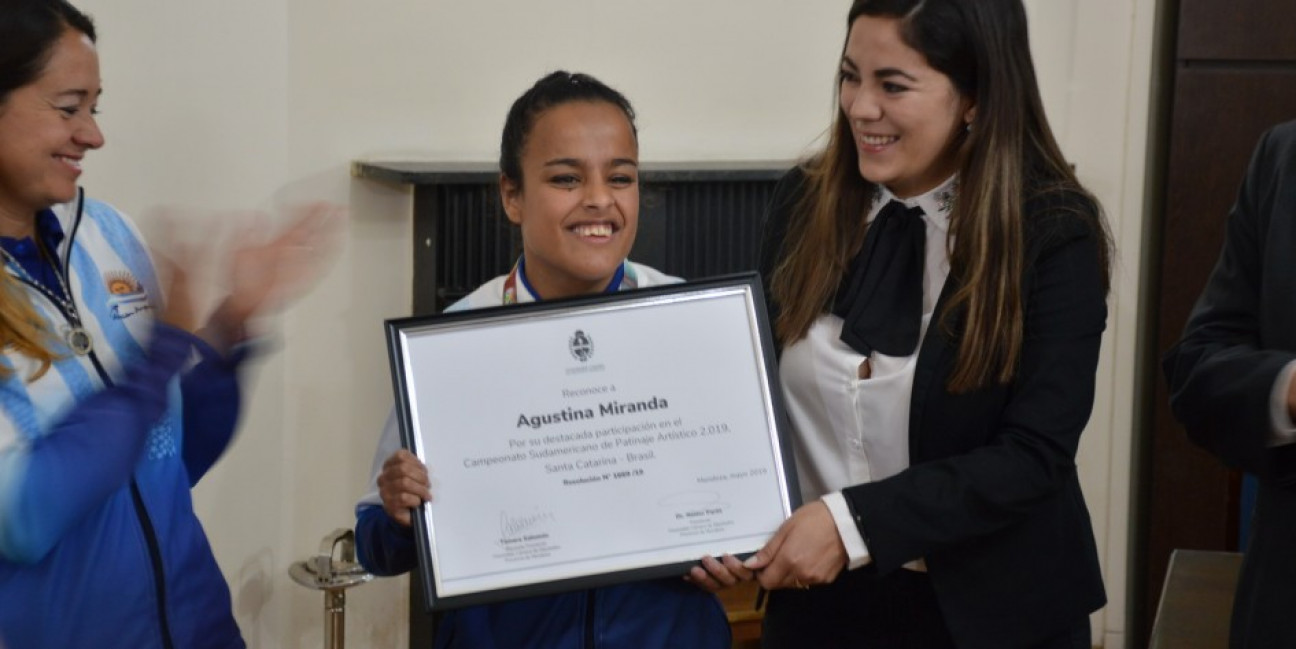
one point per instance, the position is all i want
(863, 611)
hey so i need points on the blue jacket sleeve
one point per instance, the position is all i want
(51, 484)
(212, 403)
(383, 546)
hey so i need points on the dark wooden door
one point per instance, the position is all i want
(1234, 74)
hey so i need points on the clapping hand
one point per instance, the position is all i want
(263, 273)
(266, 274)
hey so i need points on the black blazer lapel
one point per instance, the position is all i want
(936, 346)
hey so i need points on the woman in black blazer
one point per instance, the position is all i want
(938, 283)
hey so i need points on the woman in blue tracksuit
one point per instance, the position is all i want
(569, 179)
(110, 410)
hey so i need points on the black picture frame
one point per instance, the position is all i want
(405, 333)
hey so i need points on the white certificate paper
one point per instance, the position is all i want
(587, 442)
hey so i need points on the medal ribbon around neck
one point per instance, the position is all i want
(623, 280)
(77, 338)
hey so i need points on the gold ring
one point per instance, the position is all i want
(801, 585)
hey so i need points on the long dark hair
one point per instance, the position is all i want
(28, 31)
(554, 89)
(1009, 153)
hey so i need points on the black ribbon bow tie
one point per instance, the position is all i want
(881, 296)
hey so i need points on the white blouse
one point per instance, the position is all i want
(851, 430)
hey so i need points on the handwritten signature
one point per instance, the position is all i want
(513, 525)
(119, 314)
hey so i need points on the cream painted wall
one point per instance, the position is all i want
(245, 104)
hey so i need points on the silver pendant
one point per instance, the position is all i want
(79, 340)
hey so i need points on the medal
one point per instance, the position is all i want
(78, 339)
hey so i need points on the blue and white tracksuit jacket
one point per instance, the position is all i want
(99, 544)
(658, 614)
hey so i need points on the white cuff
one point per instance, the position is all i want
(1282, 430)
(856, 551)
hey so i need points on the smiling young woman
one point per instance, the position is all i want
(906, 118)
(569, 160)
(937, 281)
(580, 212)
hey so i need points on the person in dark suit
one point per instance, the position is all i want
(1231, 381)
(938, 281)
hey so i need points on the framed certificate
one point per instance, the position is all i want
(590, 441)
